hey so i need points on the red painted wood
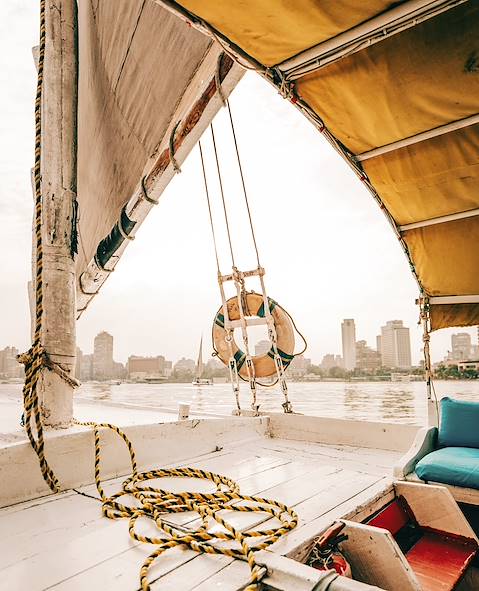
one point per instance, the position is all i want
(439, 562)
(393, 518)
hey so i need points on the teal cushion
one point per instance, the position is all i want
(459, 426)
(458, 466)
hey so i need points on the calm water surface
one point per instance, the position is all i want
(374, 401)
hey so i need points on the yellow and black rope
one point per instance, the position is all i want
(36, 357)
(152, 503)
(155, 504)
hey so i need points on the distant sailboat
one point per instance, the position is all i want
(199, 381)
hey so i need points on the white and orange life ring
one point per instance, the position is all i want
(264, 365)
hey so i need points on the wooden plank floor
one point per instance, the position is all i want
(63, 543)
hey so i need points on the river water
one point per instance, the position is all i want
(373, 401)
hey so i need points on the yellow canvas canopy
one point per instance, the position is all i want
(395, 87)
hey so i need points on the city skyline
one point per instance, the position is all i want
(101, 366)
(392, 351)
(462, 348)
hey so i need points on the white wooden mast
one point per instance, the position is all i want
(58, 172)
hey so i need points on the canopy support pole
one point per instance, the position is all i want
(455, 299)
(58, 186)
(375, 30)
(419, 137)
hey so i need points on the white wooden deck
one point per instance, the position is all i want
(63, 543)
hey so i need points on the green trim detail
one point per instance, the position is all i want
(272, 306)
(220, 320)
(286, 358)
(240, 358)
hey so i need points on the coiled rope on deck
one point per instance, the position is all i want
(155, 504)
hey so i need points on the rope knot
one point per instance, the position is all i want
(25, 358)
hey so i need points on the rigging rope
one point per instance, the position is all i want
(209, 208)
(36, 357)
(241, 294)
(425, 320)
(222, 194)
(243, 182)
(234, 375)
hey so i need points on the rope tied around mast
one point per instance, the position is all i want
(154, 503)
(36, 357)
(29, 357)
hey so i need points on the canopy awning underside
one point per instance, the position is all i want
(402, 99)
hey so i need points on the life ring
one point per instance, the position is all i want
(264, 365)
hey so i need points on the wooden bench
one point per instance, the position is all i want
(418, 542)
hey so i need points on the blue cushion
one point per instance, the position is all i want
(459, 426)
(458, 466)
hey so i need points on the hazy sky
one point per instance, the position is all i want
(328, 251)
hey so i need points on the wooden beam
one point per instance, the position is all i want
(435, 509)
(402, 17)
(197, 108)
(58, 171)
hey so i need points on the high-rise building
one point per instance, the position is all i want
(330, 360)
(395, 345)
(9, 366)
(78, 363)
(103, 356)
(299, 367)
(348, 335)
(146, 367)
(461, 346)
(86, 368)
(262, 347)
(184, 367)
(367, 359)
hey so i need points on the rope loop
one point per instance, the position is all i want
(120, 227)
(144, 193)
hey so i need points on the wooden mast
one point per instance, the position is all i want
(58, 171)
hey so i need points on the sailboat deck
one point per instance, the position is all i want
(62, 542)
